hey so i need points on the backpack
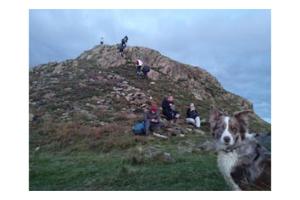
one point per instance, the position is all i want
(139, 128)
(146, 69)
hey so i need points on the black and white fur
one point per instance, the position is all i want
(244, 163)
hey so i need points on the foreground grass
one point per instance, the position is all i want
(78, 158)
(112, 171)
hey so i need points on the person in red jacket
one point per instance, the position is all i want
(152, 119)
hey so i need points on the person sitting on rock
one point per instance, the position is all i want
(152, 119)
(192, 116)
(168, 108)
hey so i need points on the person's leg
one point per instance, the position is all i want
(154, 127)
(168, 115)
(138, 70)
(198, 122)
(176, 116)
(190, 121)
(147, 126)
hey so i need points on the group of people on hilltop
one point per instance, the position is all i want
(152, 116)
(152, 121)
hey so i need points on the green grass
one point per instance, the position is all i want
(76, 157)
(111, 171)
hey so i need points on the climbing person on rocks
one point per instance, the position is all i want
(123, 45)
(141, 69)
(152, 120)
(139, 66)
(192, 116)
(168, 109)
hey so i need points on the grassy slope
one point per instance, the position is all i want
(69, 169)
(80, 155)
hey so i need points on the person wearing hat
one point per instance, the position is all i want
(192, 116)
(152, 119)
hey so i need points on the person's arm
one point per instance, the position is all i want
(164, 105)
(157, 117)
(172, 106)
(188, 113)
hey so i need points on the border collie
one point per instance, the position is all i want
(244, 163)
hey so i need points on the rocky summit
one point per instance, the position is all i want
(85, 107)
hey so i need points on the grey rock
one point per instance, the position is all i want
(31, 116)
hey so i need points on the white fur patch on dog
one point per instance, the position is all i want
(226, 161)
(226, 132)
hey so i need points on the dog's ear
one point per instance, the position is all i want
(214, 116)
(242, 118)
(242, 115)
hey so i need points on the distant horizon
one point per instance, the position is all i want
(232, 45)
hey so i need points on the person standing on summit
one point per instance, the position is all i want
(123, 45)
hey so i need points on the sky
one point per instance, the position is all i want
(233, 45)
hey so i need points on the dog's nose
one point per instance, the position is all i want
(226, 139)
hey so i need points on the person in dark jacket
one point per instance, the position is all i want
(152, 120)
(168, 109)
(145, 70)
(192, 116)
(123, 44)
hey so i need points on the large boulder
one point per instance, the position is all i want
(153, 75)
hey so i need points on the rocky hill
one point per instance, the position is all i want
(100, 82)
(82, 111)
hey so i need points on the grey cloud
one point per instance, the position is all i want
(233, 45)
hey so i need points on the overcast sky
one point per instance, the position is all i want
(233, 45)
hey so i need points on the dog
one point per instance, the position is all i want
(244, 163)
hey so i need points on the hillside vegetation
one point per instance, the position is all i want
(82, 111)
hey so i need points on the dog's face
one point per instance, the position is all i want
(226, 130)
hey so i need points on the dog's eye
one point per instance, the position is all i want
(233, 129)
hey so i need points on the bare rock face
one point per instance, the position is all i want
(58, 69)
(104, 56)
(153, 75)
